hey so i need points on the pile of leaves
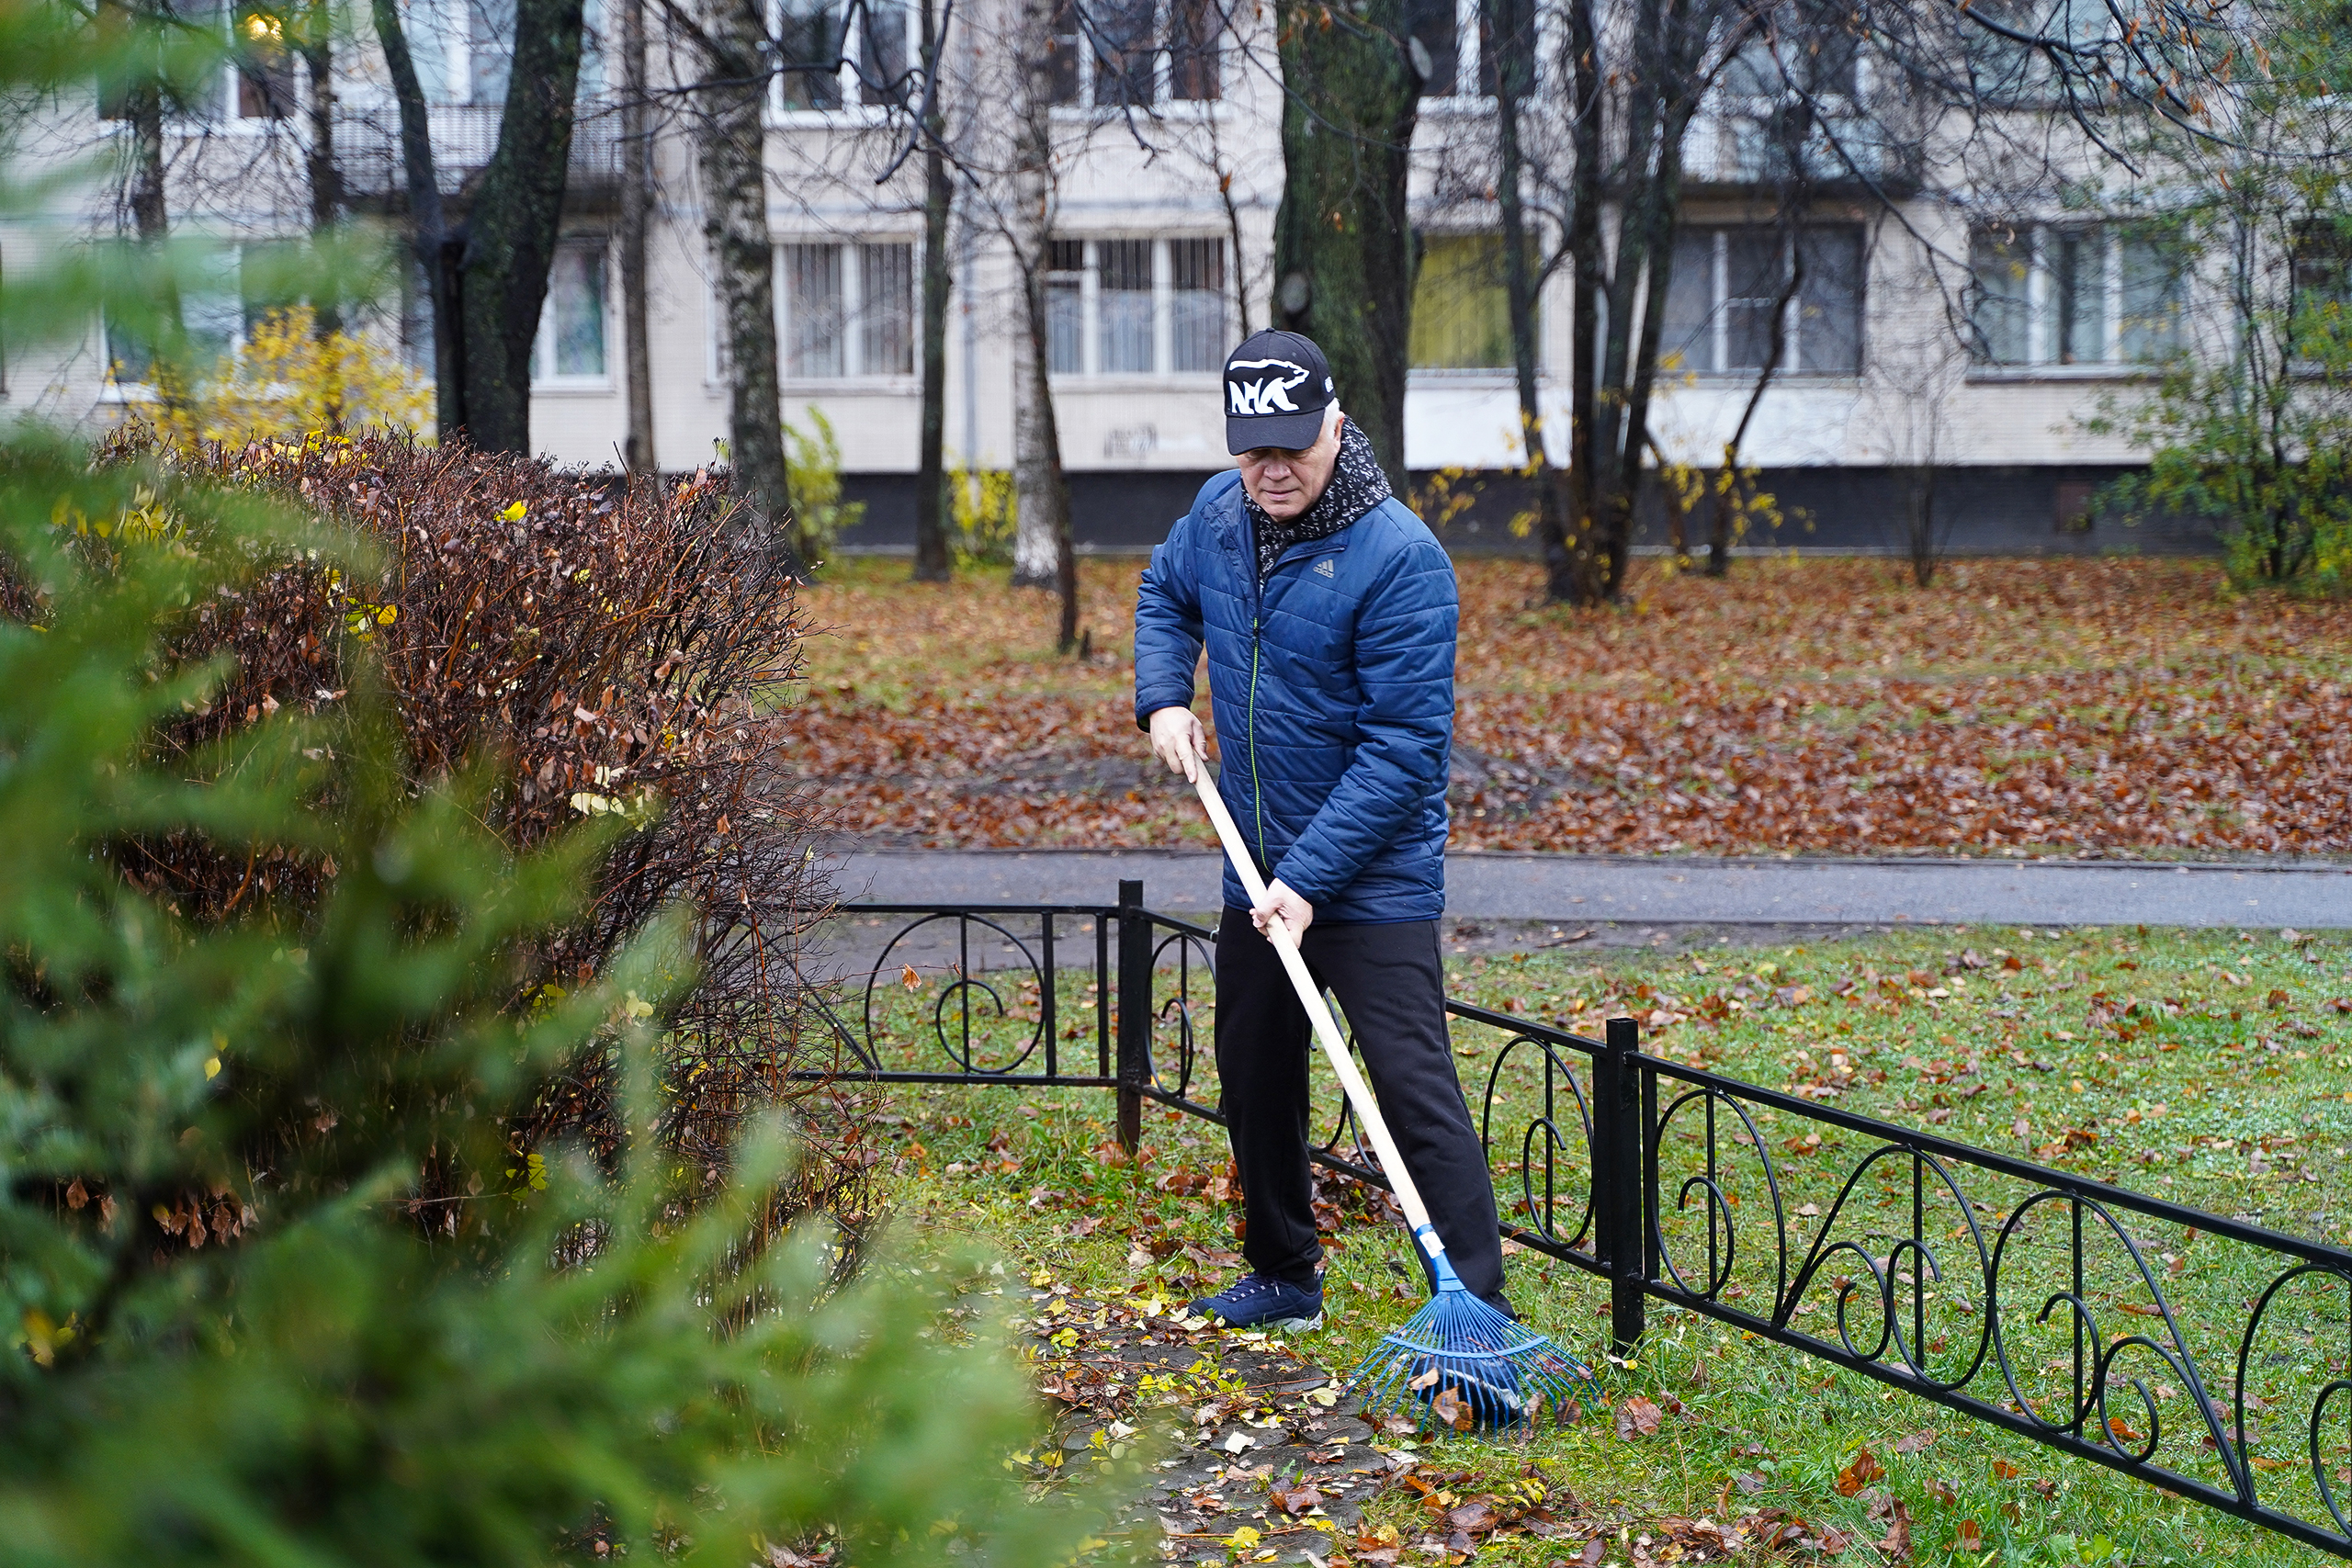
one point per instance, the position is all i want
(2081, 706)
(588, 651)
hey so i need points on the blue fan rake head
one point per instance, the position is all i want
(1500, 1372)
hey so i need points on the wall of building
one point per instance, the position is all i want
(2008, 442)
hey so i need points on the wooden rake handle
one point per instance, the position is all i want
(1310, 997)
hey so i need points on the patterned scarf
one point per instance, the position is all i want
(1357, 486)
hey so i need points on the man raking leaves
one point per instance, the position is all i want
(1328, 611)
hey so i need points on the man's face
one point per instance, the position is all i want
(1284, 483)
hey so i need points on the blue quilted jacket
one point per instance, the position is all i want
(1333, 691)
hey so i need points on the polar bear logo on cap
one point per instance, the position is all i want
(1268, 392)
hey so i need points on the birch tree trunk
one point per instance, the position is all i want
(1038, 476)
(1042, 556)
(735, 204)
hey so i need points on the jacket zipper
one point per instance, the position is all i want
(1257, 797)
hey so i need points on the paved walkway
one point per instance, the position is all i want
(1676, 892)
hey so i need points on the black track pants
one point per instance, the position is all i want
(1391, 989)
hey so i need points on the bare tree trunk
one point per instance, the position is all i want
(144, 110)
(325, 177)
(144, 179)
(1569, 574)
(429, 233)
(636, 192)
(1511, 24)
(511, 231)
(735, 201)
(932, 562)
(1343, 235)
(1223, 173)
(1042, 553)
(1919, 522)
(1615, 365)
(1730, 498)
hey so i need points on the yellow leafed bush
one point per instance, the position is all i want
(290, 379)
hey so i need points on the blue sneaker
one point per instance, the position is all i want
(1261, 1300)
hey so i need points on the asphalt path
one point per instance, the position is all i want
(1679, 892)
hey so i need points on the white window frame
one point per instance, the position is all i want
(853, 283)
(1164, 103)
(543, 341)
(1793, 366)
(2040, 306)
(1163, 311)
(1468, 54)
(846, 78)
(453, 26)
(114, 391)
(231, 122)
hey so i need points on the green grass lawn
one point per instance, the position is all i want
(2211, 1069)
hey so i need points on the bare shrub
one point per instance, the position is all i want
(601, 648)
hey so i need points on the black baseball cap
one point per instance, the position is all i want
(1276, 387)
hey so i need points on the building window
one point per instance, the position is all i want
(254, 80)
(490, 49)
(1198, 337)
(1136, 307)
(1450, 45)
(2006, 72)
(827, 63)
(441, 46)
(2074, 294)
(1461, 305)
(1727, 281)
(2321, 314)
(570, 344)
(1807, 51)
(847, 310)
(235, 287)
(488, 56)
(1122, 53)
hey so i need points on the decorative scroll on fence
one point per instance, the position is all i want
(2201, 1354)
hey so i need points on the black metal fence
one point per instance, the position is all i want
(2205, 1355)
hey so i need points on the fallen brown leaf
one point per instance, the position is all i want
(1477, 1517)
(1896, 1546)
(1859, 1473)
(1637, 1417)
(1451, 1409)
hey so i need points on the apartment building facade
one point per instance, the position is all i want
(1923, 335)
